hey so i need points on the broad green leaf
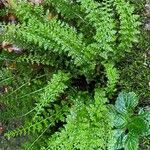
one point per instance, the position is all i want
(138, 125)
(131, 141)
(118, 119)
(145, 114)
(117, 140)
(126, 102)
(119, 134)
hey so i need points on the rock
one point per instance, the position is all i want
(147, 25)
(147, 9)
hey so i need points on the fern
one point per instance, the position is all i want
(68, 9)
(59, 38)
(52, 91)
(39, 58)
(64, 43)
(48, 97)
(48, 119)
(82, 129)
(101, 17)
(128, 25)
(112, 76)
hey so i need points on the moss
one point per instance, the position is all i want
(135, 67)
(135, 76)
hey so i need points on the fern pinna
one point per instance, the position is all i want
(66, 41)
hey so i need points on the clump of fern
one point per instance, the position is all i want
(63, 41)
(87, 121)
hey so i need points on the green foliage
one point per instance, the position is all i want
(37, 58)
(86, 125)
(126, 19)
(58, 36)
(135, 76)
(52, 91)
(48, 97)
(62, 44)
(67, 9)
(102, 19)
(112, 76)
(124, 120)
(135, 67)
(16, 90)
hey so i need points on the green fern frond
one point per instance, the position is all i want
(112, 76)
(70, 10)
(129, 25)
(37, 58)
(84, 132)
(102, 18)
(54, 88)
(48, 119)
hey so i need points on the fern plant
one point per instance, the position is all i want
(66, 42)
(59, 37)
(82, 129)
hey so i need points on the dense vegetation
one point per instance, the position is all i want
(70, 75)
